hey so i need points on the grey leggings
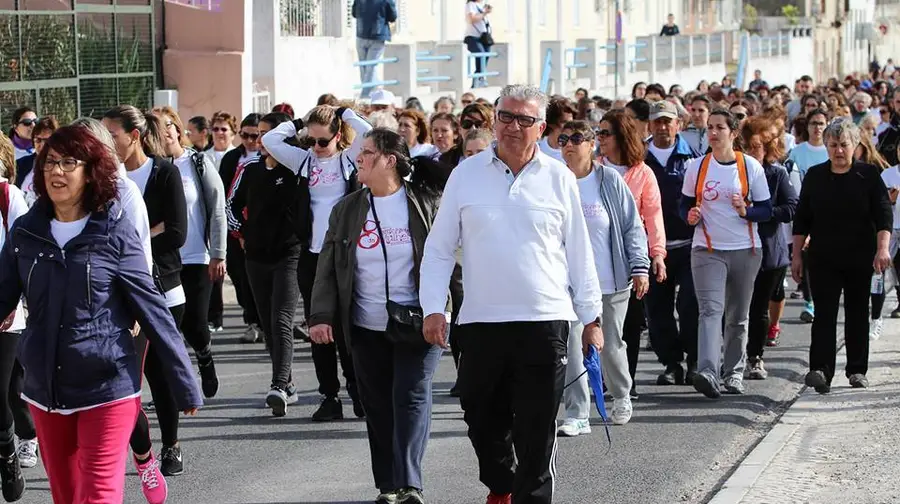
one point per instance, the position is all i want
(723, 281)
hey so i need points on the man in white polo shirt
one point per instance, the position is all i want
(527, 260)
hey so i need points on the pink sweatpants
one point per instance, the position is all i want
(85, 453)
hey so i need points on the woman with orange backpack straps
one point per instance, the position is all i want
(725, 195)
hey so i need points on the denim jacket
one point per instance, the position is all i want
(372, 18)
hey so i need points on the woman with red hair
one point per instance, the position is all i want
(84, 276)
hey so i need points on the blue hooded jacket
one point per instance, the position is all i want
(77, 349)
(372, 18)
(671, 179)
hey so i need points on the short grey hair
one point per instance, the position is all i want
(97, 129)
(383, 119)
(841, 128)
(525, 92)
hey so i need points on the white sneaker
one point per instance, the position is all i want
(574, 426)
(621, 411)
(875, 328)
(27, 452)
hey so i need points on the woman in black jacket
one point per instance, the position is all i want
(759, 143)
(846, 212)
(371, 256)
(327, 171)
(263, 211)
(139, 143)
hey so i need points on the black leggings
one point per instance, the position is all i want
(197, 291)
(8, 342)
(764, 289)
(631, 332)
(166, 409)
(878, 299)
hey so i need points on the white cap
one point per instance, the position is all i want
(382, 97)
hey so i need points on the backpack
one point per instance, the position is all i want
(4, 210)
(745, 193)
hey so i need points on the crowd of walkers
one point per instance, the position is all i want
(680, 213)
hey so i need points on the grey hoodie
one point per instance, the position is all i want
(627, 238)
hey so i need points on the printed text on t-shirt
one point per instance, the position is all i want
(368, 238)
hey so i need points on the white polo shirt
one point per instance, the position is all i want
(526, 250)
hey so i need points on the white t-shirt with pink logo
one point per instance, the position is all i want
(326, 187)
(598, 224)
(727, 230)
(369, 309)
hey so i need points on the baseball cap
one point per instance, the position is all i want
(663, 109)
(382, 97)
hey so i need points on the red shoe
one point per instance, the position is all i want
(772, 338)
(499, 499)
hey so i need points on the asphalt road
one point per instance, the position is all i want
(677, 448)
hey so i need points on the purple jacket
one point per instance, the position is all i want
(77, 349)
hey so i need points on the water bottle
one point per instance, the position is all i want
(877, 283)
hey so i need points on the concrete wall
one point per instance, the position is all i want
(209, 58)
(306, 67)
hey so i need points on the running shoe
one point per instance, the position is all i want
(13, 482)
(277, 399)
(153, 483)
(875, 328)
(410, 496)
(572, 427)
(28, 453)
(817, 380)
(772, 336)
(252, 334)
(329, 410)
(621, 411)
(171, 461)
(493, 498)
(386, 498)
(757, 370)
(209, 381)
(809, 313)
(734, 385)
(859, 380)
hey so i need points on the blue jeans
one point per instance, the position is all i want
(367, 50)
(475, 46)
(394, 383)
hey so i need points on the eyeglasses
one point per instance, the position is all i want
(67, 165)
(603, 133)
(322, 142)
(523, 120)
(469, 124)
(576, 139)
(28, 122)
(249, 136)
(221, 130)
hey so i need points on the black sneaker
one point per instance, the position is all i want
(209, 382)
(171, 462)
(817, 380)
(410, 496)
(358, 409)
(673, 375)
(331, 409)
(691, 373)
(633, 393)
(301, 334)
(11, 477)
(706, 387)
(896, 312)
(859, 380)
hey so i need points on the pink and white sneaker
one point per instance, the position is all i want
(153, 483)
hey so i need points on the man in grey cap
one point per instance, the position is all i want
(668, 155)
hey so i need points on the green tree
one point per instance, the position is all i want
(751, 17)
(792, 13)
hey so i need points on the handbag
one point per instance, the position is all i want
(486, 39)
(405, 322)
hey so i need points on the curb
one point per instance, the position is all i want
(752, 466)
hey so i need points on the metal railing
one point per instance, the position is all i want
(375, 63)
(482, 74)
(572, 59)
(310, 18)
(423, 76)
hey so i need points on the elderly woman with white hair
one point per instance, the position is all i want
(846, 212)
(860, 103)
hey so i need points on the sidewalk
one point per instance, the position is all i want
(837, 448)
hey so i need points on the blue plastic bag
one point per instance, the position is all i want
(595, 379)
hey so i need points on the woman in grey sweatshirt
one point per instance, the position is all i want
(620, 255)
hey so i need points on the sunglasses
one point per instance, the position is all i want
(221, 130)
(523, 120)
(322, 142)
(249, 136)
(740, 117)
(604, 133)
(469, 124)
(576, 139)
(28, 122)
(67, 165)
